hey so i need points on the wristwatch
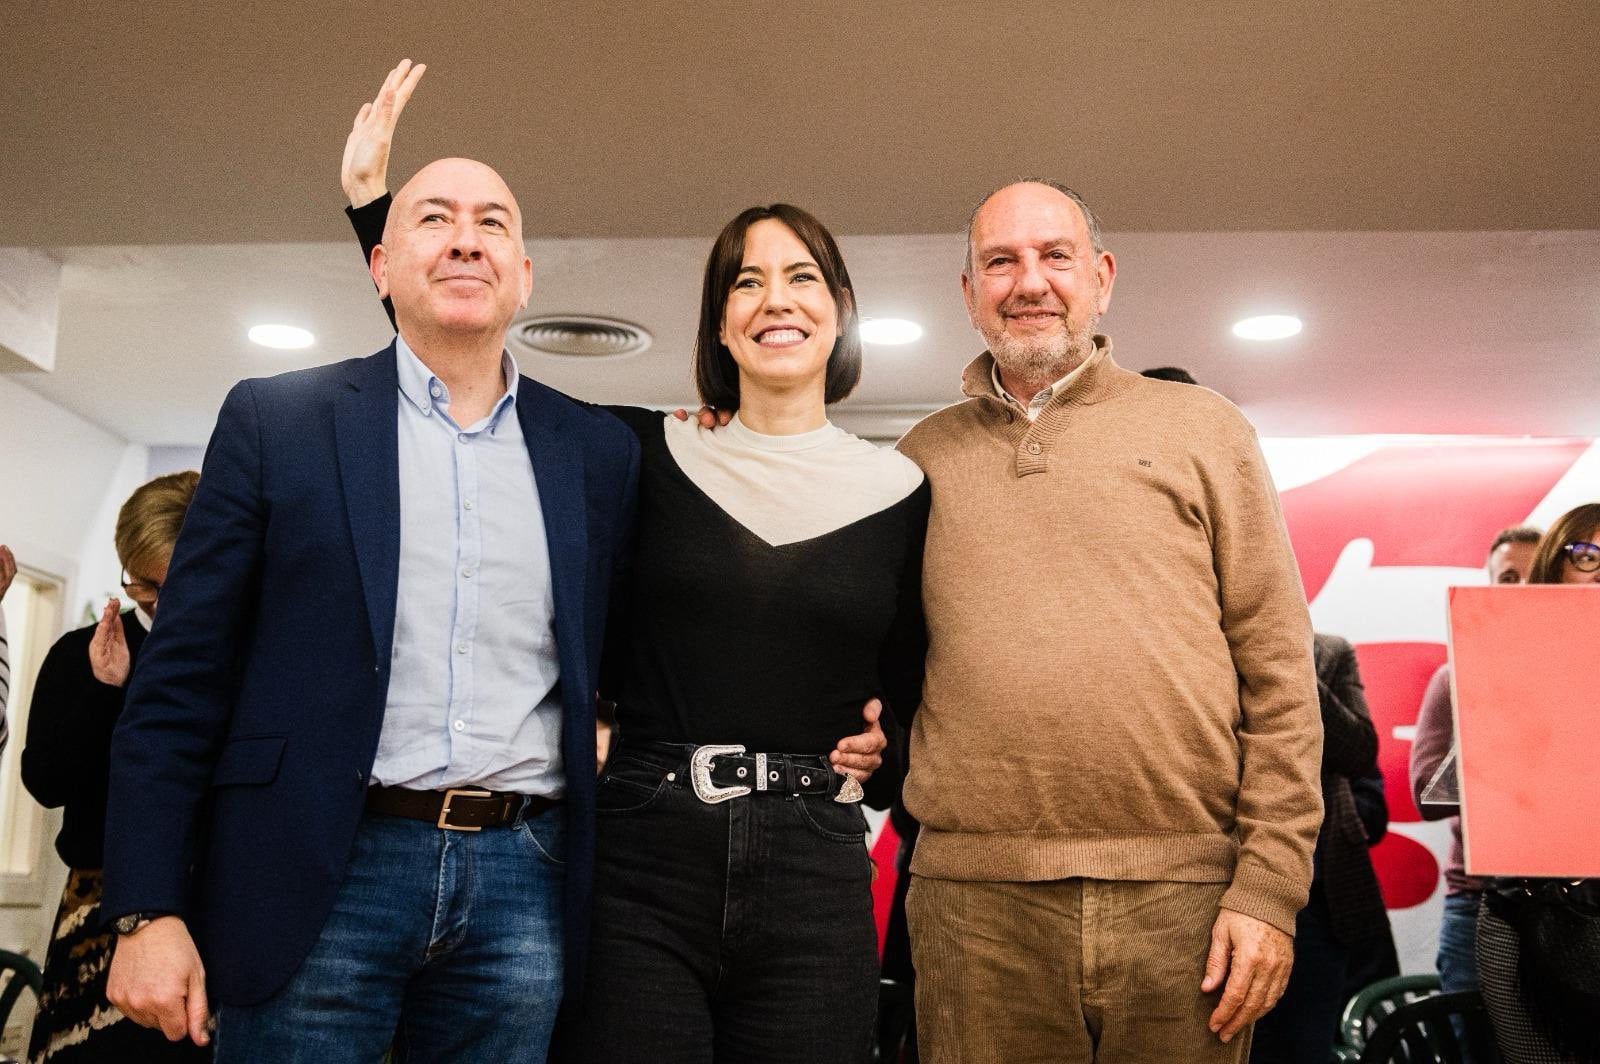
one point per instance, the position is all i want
(127, 925)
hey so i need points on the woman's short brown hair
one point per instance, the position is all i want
(1570, 527)
(148, 523)
(716, 375)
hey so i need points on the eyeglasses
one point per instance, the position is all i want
(143, 592)
(1585, 557)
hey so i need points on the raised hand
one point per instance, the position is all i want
(364, 171)
(108, 649)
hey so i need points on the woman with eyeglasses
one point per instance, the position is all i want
(1538, 946)
(66, 764)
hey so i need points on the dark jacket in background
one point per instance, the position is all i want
(1349, 751)
(66, 761)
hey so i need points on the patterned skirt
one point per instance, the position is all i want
(76, 1024)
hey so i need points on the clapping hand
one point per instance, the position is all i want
(8, 569)
(108, 650)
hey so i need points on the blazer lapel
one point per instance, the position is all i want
(558, 472)
(366, 427)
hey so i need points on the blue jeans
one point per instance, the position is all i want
(1458, 960)
(445, 944)
(1458, 938)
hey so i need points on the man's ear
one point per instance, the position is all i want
(378, 266)
(1106, 267)
(527, 282)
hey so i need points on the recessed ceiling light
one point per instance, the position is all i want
(890, 331)
(1267, 327)
(285, 337)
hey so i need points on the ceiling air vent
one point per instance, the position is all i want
(579, 336)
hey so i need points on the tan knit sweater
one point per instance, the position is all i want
(1119, 683)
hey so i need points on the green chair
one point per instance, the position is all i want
(23, 973)
(1437, 1029)
(1368, 1009)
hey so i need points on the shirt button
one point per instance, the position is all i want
(467, 572)
(467, 505)
(461, 725)
(1033, 448)
(437, 391)
(461, 648)
(462, 436)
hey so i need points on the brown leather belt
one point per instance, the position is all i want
(459, 809)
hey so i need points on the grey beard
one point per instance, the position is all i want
(1046, 360)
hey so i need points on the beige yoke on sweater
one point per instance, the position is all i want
(1120, 682)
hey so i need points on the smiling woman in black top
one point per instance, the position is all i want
(776, 588)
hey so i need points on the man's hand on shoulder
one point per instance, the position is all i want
(1254, 958)
(157, 980)
(709, 417)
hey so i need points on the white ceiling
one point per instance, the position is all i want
(1416, 180)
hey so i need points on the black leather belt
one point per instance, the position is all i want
(718, 773)
(459, 809)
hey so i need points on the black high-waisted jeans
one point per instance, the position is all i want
(736, 933)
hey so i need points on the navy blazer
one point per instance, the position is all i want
(241, 763)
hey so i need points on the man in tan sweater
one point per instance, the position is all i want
(1116, 759)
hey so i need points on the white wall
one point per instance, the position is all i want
(62, 480)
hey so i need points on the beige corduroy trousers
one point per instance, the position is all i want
(1065, 972)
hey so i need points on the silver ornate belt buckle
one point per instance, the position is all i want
(700, 774)
(850, 790)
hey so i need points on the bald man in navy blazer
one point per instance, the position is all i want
(352, 790)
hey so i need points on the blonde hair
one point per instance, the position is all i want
(148, 523)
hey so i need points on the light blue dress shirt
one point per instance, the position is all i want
(473, 697)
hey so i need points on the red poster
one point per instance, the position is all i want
(1527, 701)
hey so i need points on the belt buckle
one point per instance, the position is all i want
(451, 795)
(700, 774)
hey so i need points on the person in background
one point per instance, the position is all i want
(1375, 957)
(1345, 914)
(1510, 558)
(1170, 373)
(8, 573)
(66, 763)
(1538, 947)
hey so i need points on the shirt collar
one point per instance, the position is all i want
(1039, 399)
(425, 391)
